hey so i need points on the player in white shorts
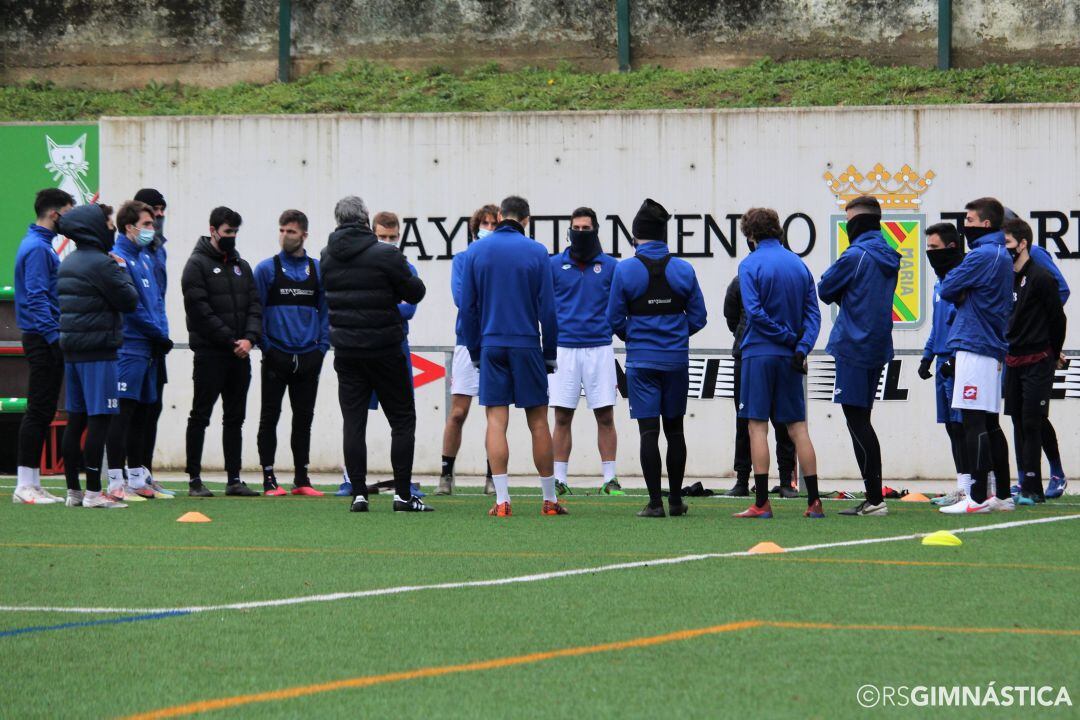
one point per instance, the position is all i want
(464, 376)
(582, 276)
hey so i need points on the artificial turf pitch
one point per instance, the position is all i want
(789, 635)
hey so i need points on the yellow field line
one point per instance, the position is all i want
(338, 551)
(921, 563)
(436, 671)
(202, 706)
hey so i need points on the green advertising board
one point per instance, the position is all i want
(38, 156)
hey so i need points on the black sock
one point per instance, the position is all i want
(810, 483)
(194, 481)
(488, 470)
(761, 489)
(742, 481)
(676, 458)
(269, 479)
(448, 465)
(649, 428)
(300, 478)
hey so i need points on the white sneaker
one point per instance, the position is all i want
(998, 505)
(951, 499)
(75, 498)
(101, 500)
(29, 495)
(48, 495)
(120, 496)
(967, 506)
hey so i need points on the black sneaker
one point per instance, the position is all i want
(358, 504)
(739, 490)
(197, 489)
(413, 504)
(652, 511)
(677, 510)
(787, 491)
(239, 489)
(866, 508)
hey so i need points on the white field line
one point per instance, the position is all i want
(518, 579)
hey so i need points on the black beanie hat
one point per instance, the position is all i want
(151, 197)
(650, 223)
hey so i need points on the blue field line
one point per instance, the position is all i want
(91, 623)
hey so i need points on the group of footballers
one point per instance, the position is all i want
(532, 330)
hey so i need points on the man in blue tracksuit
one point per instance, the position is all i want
(295, 338)
(146, 419)
(37, 313)
(387, 228)
(582, 275)
(862, 282)
(981, 287)
(506, 301)
(782, 325)
(1056, 487)
(945, 251)
(145, 330)
(656, 305)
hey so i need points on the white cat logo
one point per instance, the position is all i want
(68, 165)
(217, 270)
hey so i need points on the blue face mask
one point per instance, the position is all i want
(483, 233)
(146, 236)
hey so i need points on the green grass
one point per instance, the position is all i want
(312, 546)
(367, 87)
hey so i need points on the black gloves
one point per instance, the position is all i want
(552, 366)
(162, 347)
(924, 369)
(798, 361)
(947, 369)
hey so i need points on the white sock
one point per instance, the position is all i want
(502, 488)
(116, 479)
(561, 470)
(548, 485)
(608, 468)
(137, 477)
(963, 483)
(37, 478)
(92, 495)
(345, 474)
(24, 477)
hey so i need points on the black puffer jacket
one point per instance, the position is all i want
(365, 280)
(94, 289)
(735, 316)
(220, 299)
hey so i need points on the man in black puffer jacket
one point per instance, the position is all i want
(364, 281)
(224, 321)
(94, 288)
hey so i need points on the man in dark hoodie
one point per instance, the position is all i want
(581, 276)
(94, 291)
(862, 282)
(981, 288)
(364, 281)
(224, 321)
(735, 315)
(656, 305)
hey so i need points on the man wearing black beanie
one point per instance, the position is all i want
(655, 306)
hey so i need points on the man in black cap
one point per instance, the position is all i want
(224, 320)
(656, 305)
(145, 420)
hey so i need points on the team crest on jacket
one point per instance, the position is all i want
(236, 269)
(217, 270)
(596, 268)
(566, 266)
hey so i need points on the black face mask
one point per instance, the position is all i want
(1014, 252)
(584, 244)
(226, 243)
(944, 259)
(974, 233)
(860, 224)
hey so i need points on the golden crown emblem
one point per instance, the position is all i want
(895, 191)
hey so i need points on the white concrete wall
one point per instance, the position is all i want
(694, 162)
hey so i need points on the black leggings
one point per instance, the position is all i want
(867, 450)
(649, 428)
(97, 428)
(959, 451)
(123, 446)
(987, 450)
(1027, 439)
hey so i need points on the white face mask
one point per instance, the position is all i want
(483, 233)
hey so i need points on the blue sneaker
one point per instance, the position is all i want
(1015, 489)
(1056, 488)
(344, 489)
(1023, 499)
(417, 492)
